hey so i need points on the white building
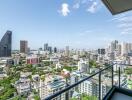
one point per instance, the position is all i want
(117, 64)
(91, 87)
(58, 65)
(74, 77)
(123, 81)
(83, 66)
(124, 48)
(23, 85)
(36, 80)
(55, 59)
(50, 85)
(16, 60)
(75, 57)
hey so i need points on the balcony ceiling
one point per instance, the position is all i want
(118, 6)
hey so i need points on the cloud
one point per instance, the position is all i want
(85, 32)
(86, 1)
(76, 6)
(124, 23)
(125, 33)
(117, 17)
(93, 7)
(64, 9)
(125, 19)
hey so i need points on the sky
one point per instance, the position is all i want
(76, 23)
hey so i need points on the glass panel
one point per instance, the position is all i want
(106, 81)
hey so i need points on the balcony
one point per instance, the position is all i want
(108, 83)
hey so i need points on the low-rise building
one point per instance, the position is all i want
(50, 85)
(33, 59)
(83, 66)
(23, 85)
(91, 87)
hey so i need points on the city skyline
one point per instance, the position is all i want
(79, 24)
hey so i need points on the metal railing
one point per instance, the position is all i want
(99, 74)
(68, 88)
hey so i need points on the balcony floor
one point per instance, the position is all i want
(120, 96)
(117, 93)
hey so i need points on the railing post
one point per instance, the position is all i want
(99, 85)
(67, 93)
(119, 75)
(112, 75)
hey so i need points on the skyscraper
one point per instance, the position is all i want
(119, 49)
(67, 51)
(6, 44)
(123, 48)
(55, 50)
(46, 47)
(50, 49)
(114, 46)
(101, 51)
(23, 46)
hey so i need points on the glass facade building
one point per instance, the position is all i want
(6, 44)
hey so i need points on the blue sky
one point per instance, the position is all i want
(77, 23)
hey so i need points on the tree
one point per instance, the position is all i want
(36, 97)
(43, 78)
(48, 63)
(41, 73)
(92, 63)
(85, 97)
(68, 68)
(16, 98)
(128, 71)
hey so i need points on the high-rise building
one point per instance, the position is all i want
(23, 46)
(67, 51)
(40, 49)
(113, 46)
(50, 49)
(55, 50)
(28, 49)
(6, 44)
(124, 48)
(101, 51)
(129, 48)
(46, 47)
(119, 49)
